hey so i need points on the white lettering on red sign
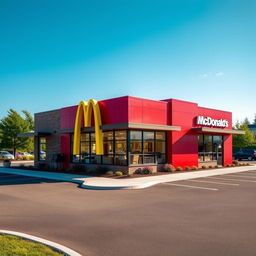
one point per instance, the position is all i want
(208, 121)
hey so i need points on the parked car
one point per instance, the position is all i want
(6, 155)
(25, 154)
(245, 154)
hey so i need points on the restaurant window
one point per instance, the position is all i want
(147, 147)
(209, 147)
(144, 147)
(42, 148)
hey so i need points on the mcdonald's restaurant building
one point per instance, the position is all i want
(127, 133)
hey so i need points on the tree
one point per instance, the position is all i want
(11, 126)
(254, 121)
(246, 121)
(243, 140)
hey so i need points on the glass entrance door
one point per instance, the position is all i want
(218, 148)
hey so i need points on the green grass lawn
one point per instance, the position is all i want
(15, 246)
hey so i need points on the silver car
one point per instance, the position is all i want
(6, 155)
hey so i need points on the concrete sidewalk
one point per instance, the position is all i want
(99, 183)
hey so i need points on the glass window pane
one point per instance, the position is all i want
(107, 159)
(92, 136)
(148, 136)
(161, 158)
(148, 147)
(121, 147)
(85, 137)
(200, 143)
(136, 146)
(108, 147)
(121, 159)
(42, 148)
(120, 135)
(108, 135)
(95, 159)
(160, 146)
(42, 140)
(149, 159)
(208, 143)
(135, 135)
(85, 148)
(160, 135)
(136, 159)
(93, 147)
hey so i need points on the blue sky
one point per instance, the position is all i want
(56, 53)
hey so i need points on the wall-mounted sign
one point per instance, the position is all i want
(208, 121)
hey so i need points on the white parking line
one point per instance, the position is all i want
(240, 176)
(188, 186)
(213, 182)
(231, 179)
(245, 173)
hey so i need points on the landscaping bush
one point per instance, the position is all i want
(233, 165)
(216, 166)
(235, 162)
(203, 166)
(110, 173)
(118, 173)
(247, 164)
(138, 171)
(147, 170)
(187, 168)
(193, 168)
(210, 166)
(179, 169)
(168, 168)
(228, 165)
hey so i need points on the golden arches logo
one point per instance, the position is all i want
(84, 111)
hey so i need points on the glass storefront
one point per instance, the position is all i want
(124, 146)
(210, 148)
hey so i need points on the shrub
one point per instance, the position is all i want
(110, 173)
(235, 162)
(210, 166)
(118, 173)
(194, 167)
(247, 164)
(179, 169)
(233, 165)
(228, 165)
(129, 175)
(203, 166)
(216, 166)
(147, 170)
(138, 171)
(168, 168)
(187, 168)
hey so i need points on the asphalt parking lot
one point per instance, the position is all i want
(206, 216)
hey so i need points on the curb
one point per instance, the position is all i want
(140, 186)
(55, 246)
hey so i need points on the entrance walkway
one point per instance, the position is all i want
(90, 182)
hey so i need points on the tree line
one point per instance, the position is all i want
(11, 126)
(246, 140)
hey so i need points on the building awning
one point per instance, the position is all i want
(120, 126)
(217, 130)
(33, 134)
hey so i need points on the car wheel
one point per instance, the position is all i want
(249, 158)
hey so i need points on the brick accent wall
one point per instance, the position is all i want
(48, 122)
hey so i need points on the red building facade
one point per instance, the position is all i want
(139, 132)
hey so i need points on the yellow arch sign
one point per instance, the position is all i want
(84, 110)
